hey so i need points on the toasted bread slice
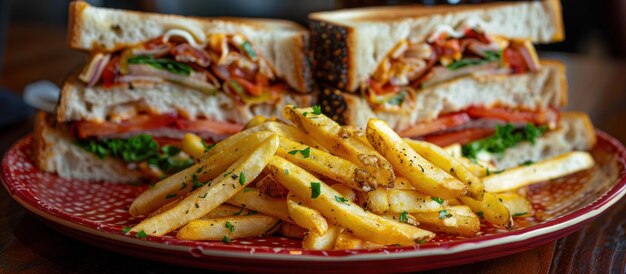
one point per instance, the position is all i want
(543, 89)
(284, 44)
(81, 103)
(56, 151)
(349, 44)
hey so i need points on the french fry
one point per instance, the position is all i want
(328, 165)
(268, 186)
(341, 143)
(290, 132)
(358, 133)
(251, 199)
(490, 208)
(402, 183)
(345, 191)
(518, 205)
(191, 178)
(453, 150)
(376, 201)
(453, 166)
(225, 210)
(411, 201)
(342, 211)
(206, 198)
(193, 145)
(422, 174)
(478, 168)
(326, 241)
(458, 220)
(292, 231)
(228, 228)
(305, 216)
(347, 240)
(558, 166)
(403, 217)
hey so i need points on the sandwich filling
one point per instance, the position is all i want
(447, 54)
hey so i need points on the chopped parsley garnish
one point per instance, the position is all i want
(316, 189)
(437, 200)
(141, 234)
(238, 213)
(505, 137)
(444, 214)
(422, 241)
(126, 229)
(251, 212)
(203, 196)
(317, 110)
(305, 152)
(520, 214)
(207, 147)
(196, 183)
(226, 239)
(489, 57)
(228, 173)
(162, 64)
(230, 226)
(404, 217)
(248, 189)
(170, 196)
(527, 163)
(342, 200)
(287, 171)
(480, 214)
(242, 178)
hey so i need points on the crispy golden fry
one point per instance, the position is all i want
(191, 178)
(411, 201)
(479, 168)
(454, 150)
(347, 240)
(458, 220)
(454, 202)
(325, 164)
(340, 210)
(518, 205)
(490, 208)
(259, 119)
(291, 133)
(193, 145)
(228, 228)
(305, 216)
(403, 217)
(225, 210)
(558, 166)
(345, 191)
(375, 201)
(341, 143)
(402, 183)
(206, 198)
(326, 241)
(250, 198)
(268, 186)
(453, 166)
(358, 133)
(422, 174)
(292, 231)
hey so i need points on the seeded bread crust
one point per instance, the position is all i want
(283, 43)
(55, 151)
(349, 44)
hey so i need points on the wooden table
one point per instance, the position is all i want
(27, 245)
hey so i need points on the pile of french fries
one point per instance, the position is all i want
(336, 187)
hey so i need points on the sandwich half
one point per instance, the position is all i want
(150, 78)
(450, 75)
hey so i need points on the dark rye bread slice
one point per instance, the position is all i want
(283, 43)
(349, 44)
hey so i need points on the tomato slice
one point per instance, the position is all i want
(439, 124)
(514, 116)
(515, 59)
(163, 141)
(135, 124)
(111, 72)
(462, 137)
(209, 126)
(250, 88)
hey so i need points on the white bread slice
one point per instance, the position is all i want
(81, 103)
(55, 151)
(349, 44)
(538, 90)
(575, 132)
(283, 43)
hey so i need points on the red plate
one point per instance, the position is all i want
(97, 212)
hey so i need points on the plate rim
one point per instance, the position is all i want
(579, 216)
